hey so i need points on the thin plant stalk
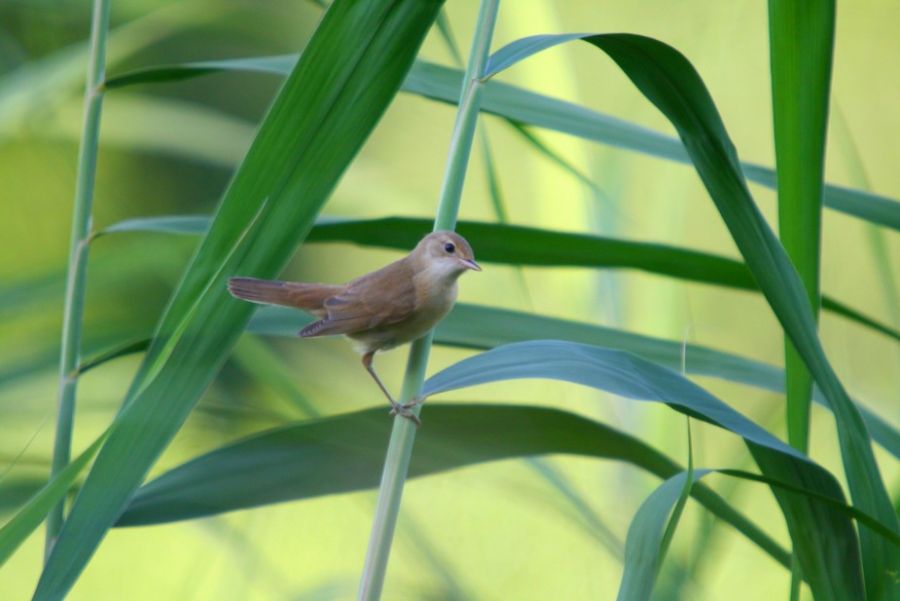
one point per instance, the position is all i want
(403, 433)
(76, 277)
(859, 178)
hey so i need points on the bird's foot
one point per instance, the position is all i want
(405, 410)
(414, 403)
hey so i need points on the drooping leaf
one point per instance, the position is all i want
(327, 107)
(483, 328)
(824, 539)
(345, 453)
(518, 245)
(669, 81)
(645, 536)
(517, 104)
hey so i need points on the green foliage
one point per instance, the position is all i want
(525, 246)
(39, 505)
(647, 531)
(801, 41)
(670, 82)
(523, 106)
(331, 98)
(344, 87)
(624, 375)
(343, 454)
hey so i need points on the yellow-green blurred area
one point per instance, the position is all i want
(537, 529)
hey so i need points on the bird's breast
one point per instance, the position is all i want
(434, 299)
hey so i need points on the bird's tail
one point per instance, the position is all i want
(274, 292)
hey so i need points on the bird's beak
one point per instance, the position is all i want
(471, 264)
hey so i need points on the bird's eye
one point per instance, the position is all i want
(449, 248)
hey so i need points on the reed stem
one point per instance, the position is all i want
(403, 433)
(73, 312)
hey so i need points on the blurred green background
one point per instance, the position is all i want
(507, 530)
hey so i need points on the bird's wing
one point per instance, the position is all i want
(377, 299)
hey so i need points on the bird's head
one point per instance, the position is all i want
(445, 253)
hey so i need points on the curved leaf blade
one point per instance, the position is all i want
(442, 83)
(520, 245)
(350, 71)
(824, 539)
(276, 65)
(644, 543)
(483, 328)
(344, 453)
(670, 82)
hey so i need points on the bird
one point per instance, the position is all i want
(380, 310)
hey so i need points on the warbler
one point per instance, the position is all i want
(396, 304)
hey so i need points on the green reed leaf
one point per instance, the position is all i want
(823, 537)
(344, 453)
(327, 107)
(526, 246)
(442, 83)
(669, 81)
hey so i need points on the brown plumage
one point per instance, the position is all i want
(396, 304)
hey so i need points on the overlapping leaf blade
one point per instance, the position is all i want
(518, 245)
(344, 453)
(480, 327)
(645, 537)
(670, 82)
(517, 104)
(328, 105)
(32, 513)
(824, 539)
(801, 41)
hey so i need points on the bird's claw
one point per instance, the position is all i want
(405, 410)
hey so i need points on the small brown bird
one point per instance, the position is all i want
(396, 304)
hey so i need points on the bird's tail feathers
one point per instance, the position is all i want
(275, 292)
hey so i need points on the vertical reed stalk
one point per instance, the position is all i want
(78, 254)
(403, 434)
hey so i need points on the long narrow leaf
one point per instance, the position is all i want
(511, 102)
(670, 82)
(801, 40)
(344, 453)
(279, 461)
(350, 71)
(824, 539)
(32, 514)
(518, 245)
(646, 533)
(483, 328)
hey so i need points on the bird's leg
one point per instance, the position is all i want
(367, 363)
(396, 408)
